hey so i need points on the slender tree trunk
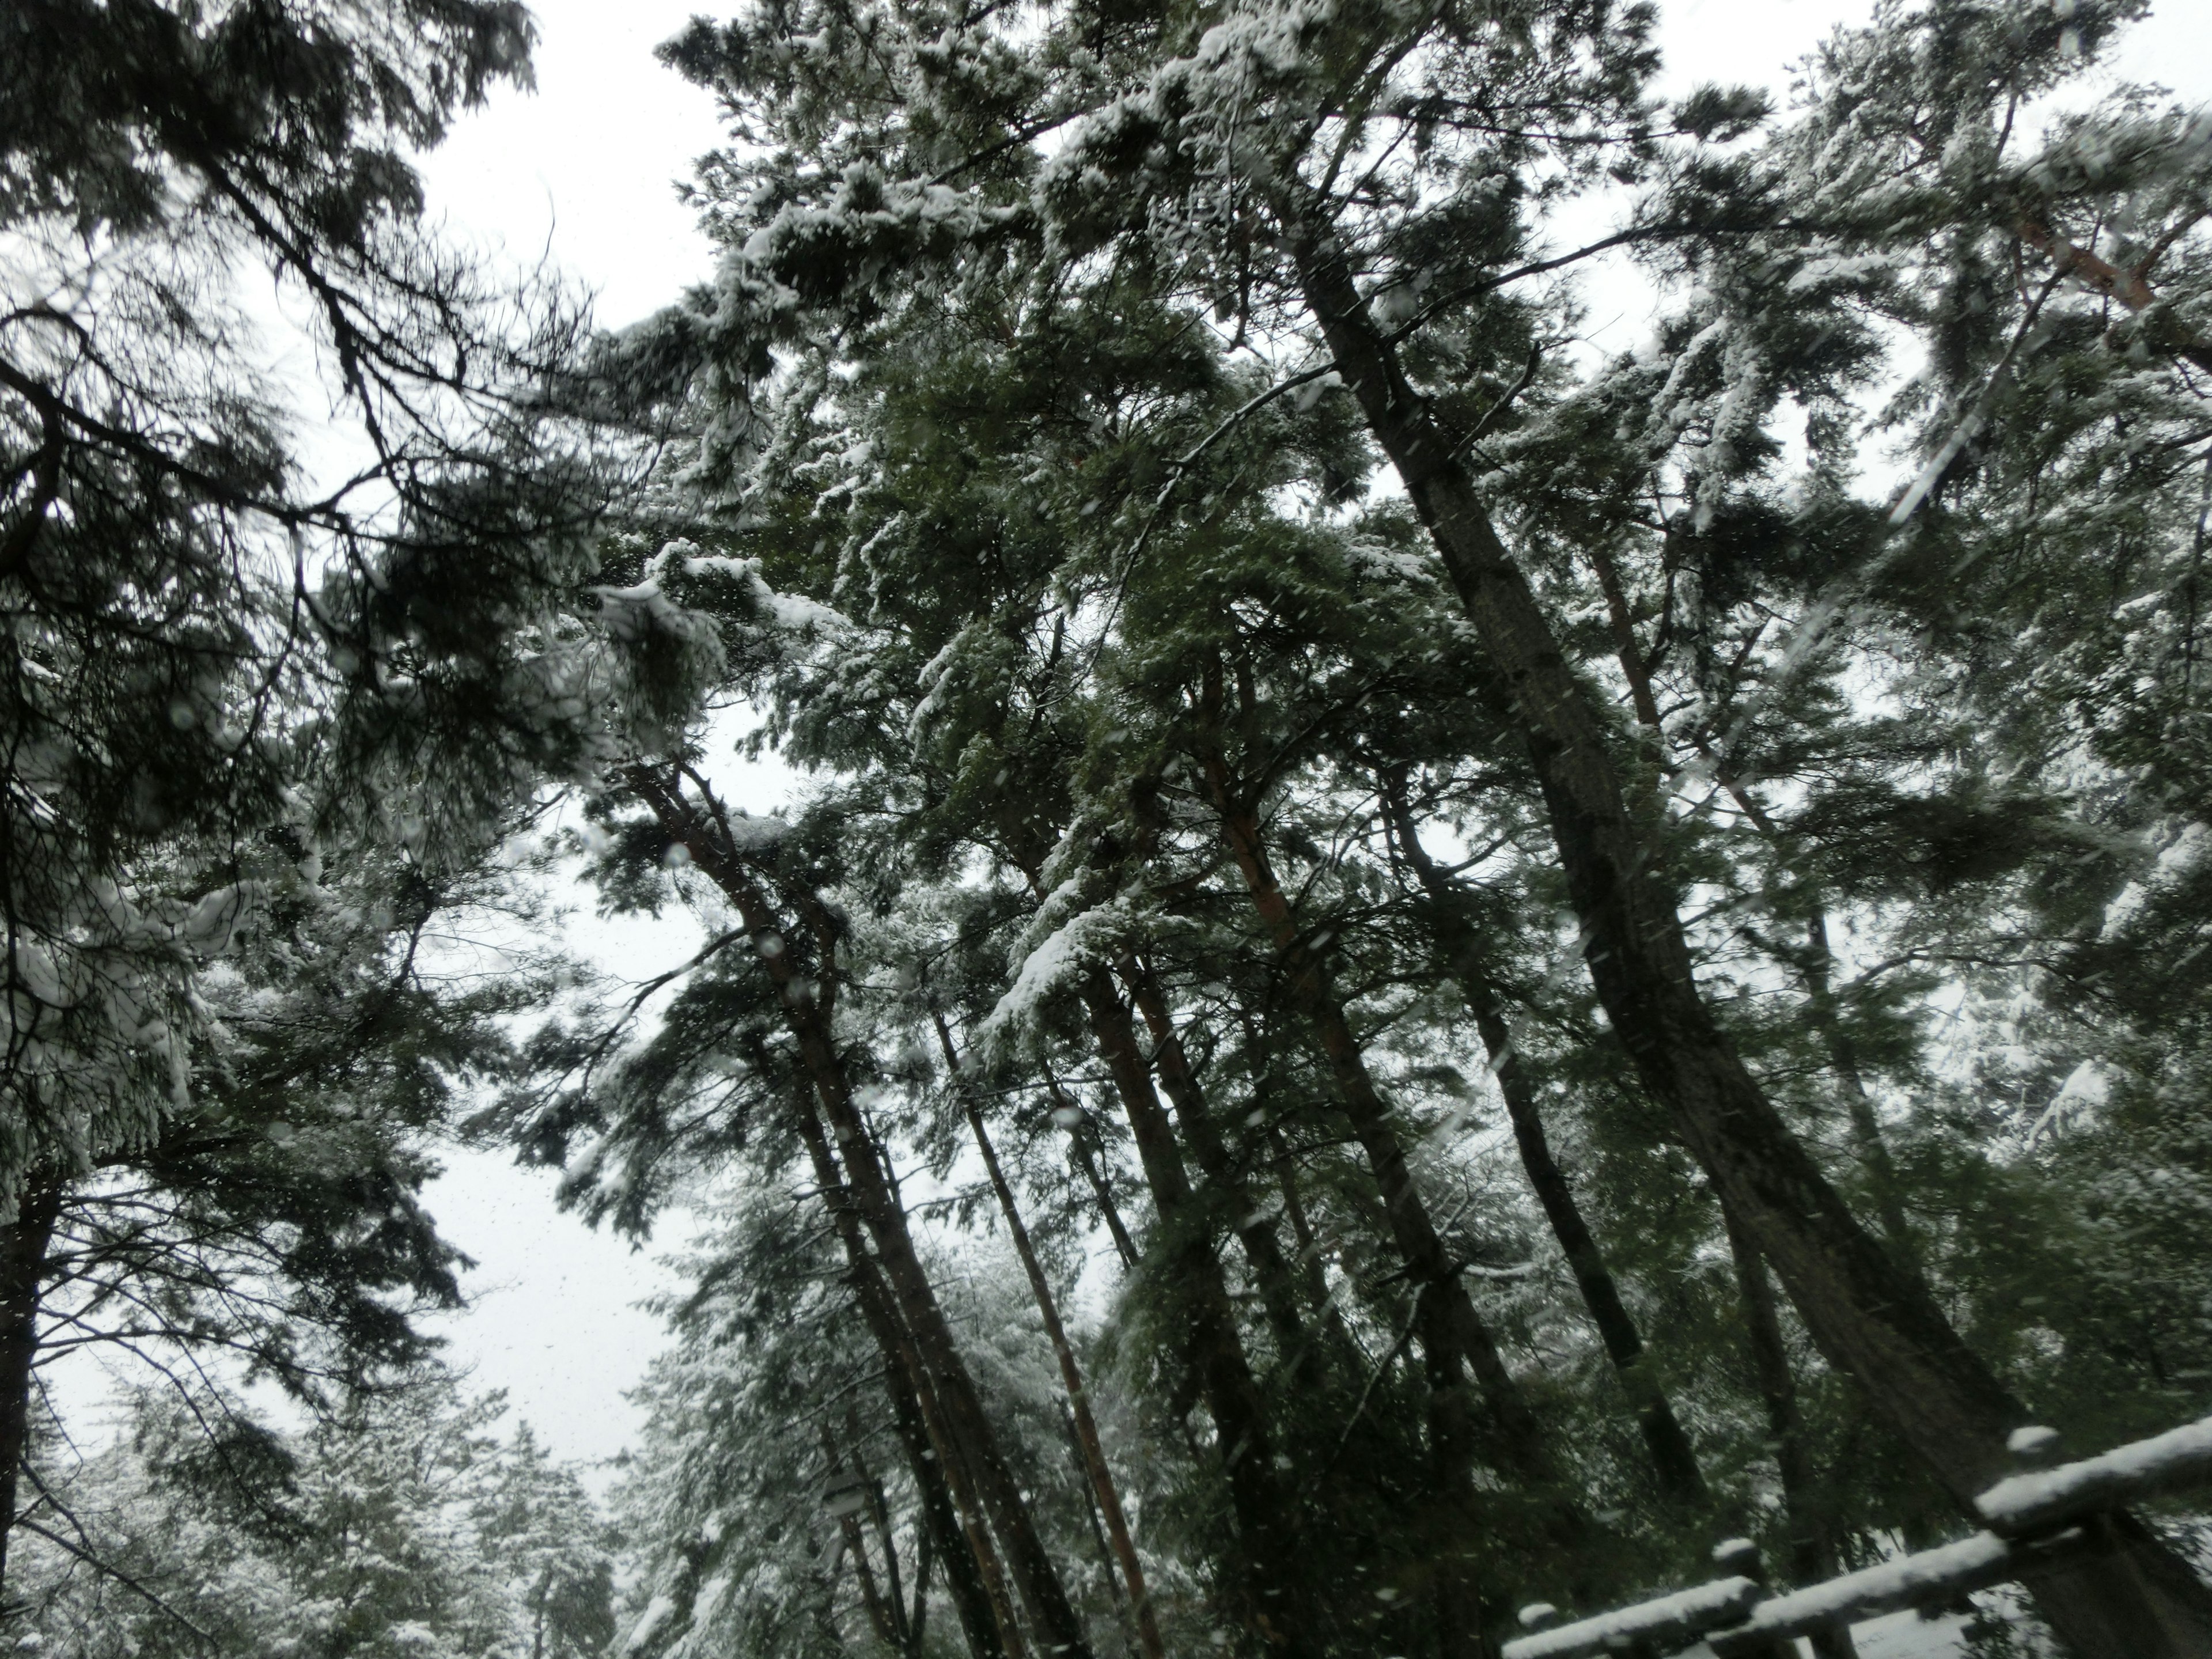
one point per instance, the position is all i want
(1817, 965)
(1035, 1577)
(1453, 1339)
(1812, 1549)
(909, 1623)
(1313, 1278)
(949, 1506)
(1672, 1458)
(1071, 1373)
(1449, 1322)
(1265, 1523)
(1866, 1127)
(1872, 1317)
(801, 930)
(1278, 1293)
(1817, 968)
(886, 1613)
(1084, 1156)
(23, 1245)
(1302, 1228)
(1110, 1570)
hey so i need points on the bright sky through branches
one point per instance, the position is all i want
(585, 172)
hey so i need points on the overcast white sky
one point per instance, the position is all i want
(585, 170)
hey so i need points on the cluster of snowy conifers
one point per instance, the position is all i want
(1536, 964)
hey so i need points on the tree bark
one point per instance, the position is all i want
(1266, 1529)
(1454, 1340)
(1070, 1374)
(1811, 1547)
(1858, 1103)
(886, 1612)
(802, 929)
(950, 1507)
(1673, 1459)
(1448, 1322)
(1083, 1155)
(1272, 1274)
(1871, 1317)
(23, 1246)
(1817, 968)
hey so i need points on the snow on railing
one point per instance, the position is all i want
(2032, 1515)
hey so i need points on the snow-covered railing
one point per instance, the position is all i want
(2034, 1518)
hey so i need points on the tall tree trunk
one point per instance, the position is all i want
(23, 1245)
(1817, 965)
(1272, 1274)
(1818, 969)
(1872, 1318)
(1672, 1458)
(1843, 1054)
(1083, 1153)
(1110, 1570)
(1266, 1524)
(1812, 1545)
(885, 1608)
(1449, 1323)
(1071, 1373)
(909, 1620)
(1454, 1340)
(1302, 1228)
(949, 1506)
(787, 934)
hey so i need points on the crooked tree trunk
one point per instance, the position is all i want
(1266, 1531)
(1070, 1374)
(950, 1508)
(1812, 1546)
(1872, 1318)
(807, 1003)
(23, 1246)
(1673, 1459)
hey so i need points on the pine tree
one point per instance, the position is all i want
(398, 1524)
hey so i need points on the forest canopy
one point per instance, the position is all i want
(1415, 968)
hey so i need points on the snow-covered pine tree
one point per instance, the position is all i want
(167, 531)
(271, 1229)
(400, 1524)
(1370, 188)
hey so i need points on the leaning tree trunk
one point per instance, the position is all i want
(1271, 1271)
(1083, 1153)
(23, 1245)
(1820, 1003)
(1673, 1459)
(1265, 1523)
(951, 1510)
(802, 930)
(1812, 1546)
(1449, 1323)
(1872, 1318)
(1454, 1340)
(1070, 1374)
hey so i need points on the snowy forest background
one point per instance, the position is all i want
(1300, 946)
